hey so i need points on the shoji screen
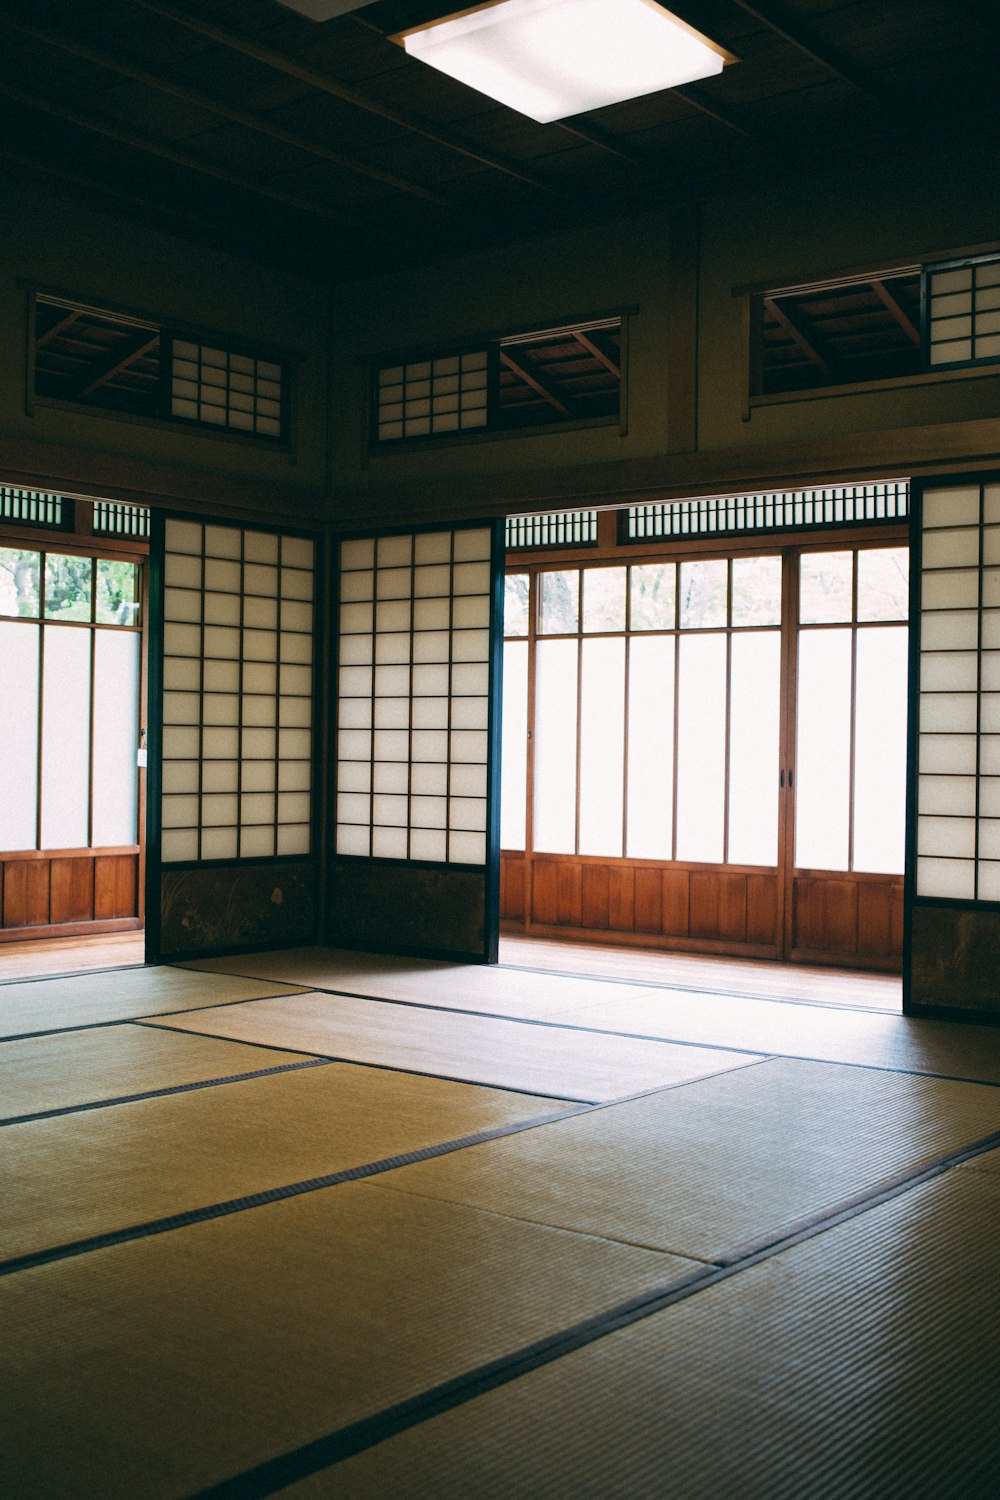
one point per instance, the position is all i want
(417, 725)
(236, 737)
(955, 879)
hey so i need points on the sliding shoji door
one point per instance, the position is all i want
(954, 878)
(233, 846)
(416, 861)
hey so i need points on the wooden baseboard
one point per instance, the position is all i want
(69, 929)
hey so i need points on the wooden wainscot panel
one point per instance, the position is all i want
(648, 900)
(719, 905)
(512, 871)
(72, 890)
(874, 919)
(825, 915)
(569, 894)
(115, 886)
(38, 901)
(544, 892)
(676, 903)
(762, 908)
(595, 895)
(15, 896)
(621, 898)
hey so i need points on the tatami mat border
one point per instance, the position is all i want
(275, 1195)
(333, 1448)
(76, 974)
(635, 1036)
(175, 1088)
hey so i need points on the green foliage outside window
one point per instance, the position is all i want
(69, 587)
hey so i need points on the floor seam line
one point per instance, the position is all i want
(167, 1091)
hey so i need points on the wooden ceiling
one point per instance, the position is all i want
(324, 148)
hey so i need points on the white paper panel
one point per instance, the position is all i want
(224, 683)
(426, 701)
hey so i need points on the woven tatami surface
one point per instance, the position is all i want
(743, 1276)
(72, 1068)
(695, 1017)
(507, 1054)
(171, 1362)
(33, 1005)
(860, 1364)
(75, 1176)
(713, 1167)
(500, 991)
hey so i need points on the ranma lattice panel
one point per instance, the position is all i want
(413, 696)
(237, 693)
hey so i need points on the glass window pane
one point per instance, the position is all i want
(880, 750)
(19, 573)
(703, 594)
(753, 747)
(602, 744)
(653, 597)
(884, 583)
(756, 590)
(604, 599)
(116, 726)
(117, 592)
(515, 603)
(68, 583)
(18, 734)
(559, 603)
(825, 580)
(701, 747)
(651, 747)
(555, 747)
(65, 738)
(823, 771)
(514, 746)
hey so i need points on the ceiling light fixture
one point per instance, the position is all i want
(553, 58)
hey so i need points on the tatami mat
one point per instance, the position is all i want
(860, 1365)
(842, 1035)
(506, 1054)
(479, 987)
(71, 1068)
(729, 1161)
(156, 1368)
(88, 999)
(80, 1175)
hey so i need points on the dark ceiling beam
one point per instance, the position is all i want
(801, 37)
(140, 346)
(315, 79)
(705, 105)
(614, 145)
(151, 147)
(889, 302)
(535, 382)
(217, 107)
(600, 354)
(799, 337)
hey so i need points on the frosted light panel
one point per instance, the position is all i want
(65, 738)
(19, 645)
(753, 749)
(116, 735)
(553, 58)
(701, 748)
(823, 781)
(237, 701)
(651, 747)
(957, 805)
(514, 752)
(413, 699)
(602, 746)
(555, 746)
